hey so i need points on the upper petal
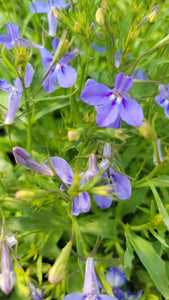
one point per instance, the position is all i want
(46, 57)
(122, 186)
(126, 84)
(14, 99)
(49, 83)
(28, 75)
(52, 21)
(107, 297)
(163, 91)
(62, 169)
(75, 296)
(69, 56)
(166, 110)
(81, 204)
(13, 31)
(107, 114)
(95, 94)
(131, 112)
(39, 7)
(66, 76)
(5, 39)
(5, 85)
(55, 44)
(118, 80)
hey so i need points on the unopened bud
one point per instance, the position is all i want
(146, 130)
(153, 15)
(100, 17)
(104, 4)
(58, 270)
(73, 135)
(105, 190)
(37, 294)
(77, 27)
(92, 27)
(23, 158)
(107, 150)
(28, 195)
(57, 13)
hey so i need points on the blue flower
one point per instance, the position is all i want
(61, 72)
(42, 7)
(13, 38)
(90, 288)
(15, 93)
(116, 277)
(113, 105)
(37, 294)
(163, 99)
(121, 184)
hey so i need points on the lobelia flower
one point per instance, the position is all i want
(37, 293)
(163, 99)
(121, 184)
(42, 7)
(116, 277)
(161, 158)
(13, 38)
(81, 203)
(23, 158)
(15, 93)
(61, 72)
(113, 105)
(90, 288)
(7, 275)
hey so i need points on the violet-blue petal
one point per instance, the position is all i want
(91, 82)
(116, 123)
(122, 185)
(46, 57)
(126, 84)
(69, 56)
(52, 23)
(118, 80)
(163, 91)
(14, 99)
(28, 75)
(55, 44)
(107, 114)
(97, 48)
(62, 169)
(49, 83)
(131, 112)
(118, 293)
(107, 297)
(81, 204)
(39, 7)
(103, 202)
(116, 276)
(5, 39)
(66, 76)
(13, 31)
(35, 166)
(160, 100)
(95, 94)
(18, 85)
(7, 281)
(5, 85)
(75, 296)
(166, 110)
(129, 296)
(117, 59)
(107, 150)
(91, 283)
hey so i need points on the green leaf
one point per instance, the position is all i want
(160, 205)
(154, 265)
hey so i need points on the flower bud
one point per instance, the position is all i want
(58, 270)
(37, 294)
(100, 17)
(105, 190)
(146, 130)
(23, 158)
(28, 195)
(57, 13)
(77, 27)
(107, 150)
(153, 15)
(73, 135)
(92, 27)
(7, 275)
(91, 283)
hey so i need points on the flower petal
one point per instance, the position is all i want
(66, 76)
(69, 56)
(116, 277)
(62, 169)
(28, 75)
(14, 99)
(166, 110)
(46, 57)
(131, 112)
(5, 85)
(106, 297)
(122, 186)
(49, 83)
(95, 94)
(39, 7)
(107, 114)
(103, 202)
(81, 204)
(90, 286)
(75, 296)
(13, 31)
(55, 44)
(116, 123)
(52, 23)
(118, 80)
(5, 39)
(126, 84)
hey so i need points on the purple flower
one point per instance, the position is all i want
(81, 203)
(113, 105)
(23, 158)
(15, 93)
(121, 184)
(7, 275)
(90, 288)
(116, 277)
(139, 75)
(117, 59)
(42, 7)
(161, 158)
(61, 72)
(163, 99)
(13, 38)
(37, 294)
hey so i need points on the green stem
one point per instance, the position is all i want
(29, 127)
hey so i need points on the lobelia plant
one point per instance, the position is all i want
(163, 99)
